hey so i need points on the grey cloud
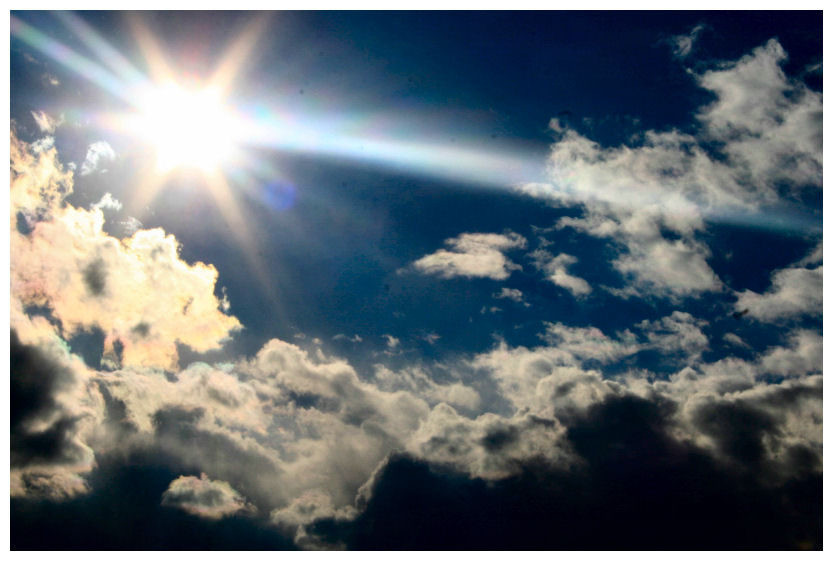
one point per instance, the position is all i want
(680, 332)
(51, 412)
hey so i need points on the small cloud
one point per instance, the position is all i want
(45, 122)
(42, 145)
(733, 339)
(472, 256)
(108, 202)
(96, 154)
(50, 80)
(130, 226)
(392, 342)
(682, 45)
(555, 267)
(342, 337)
(431, 338)
(794, 292)
(203, 497)
(511, 294)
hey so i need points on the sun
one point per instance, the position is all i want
(186, 128)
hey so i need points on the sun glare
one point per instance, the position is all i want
(187, 128)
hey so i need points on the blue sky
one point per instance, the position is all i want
(548, 255)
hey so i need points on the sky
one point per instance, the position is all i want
(416, 280)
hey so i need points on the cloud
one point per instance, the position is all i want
(342, 337)
(38, 181)
(758, 142)
(97, 154)
(794, 292)
(203, 497)
(770, 124)
(45, 122)
(555, 267)
(136, 290)
(539, 441)
(108, 202)
(682, 45)
(678, 333)
(473, 255)
(511, 294)
(53, 409)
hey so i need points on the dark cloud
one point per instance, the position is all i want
(123, 511)
(638, 489)
(35, 381)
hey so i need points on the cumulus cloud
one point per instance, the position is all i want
(203, 497)
(136, 290)
(555, 267)
(97, 154)
(473, 255)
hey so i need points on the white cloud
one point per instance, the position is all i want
(473, 255)
(203, 497)
(651, 196)
(97, 154)
(90, 279)
(45, 122)
(794, 292)
(803, 356)
(108, 202)
(555, 267)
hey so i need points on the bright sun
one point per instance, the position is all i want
(187, 128)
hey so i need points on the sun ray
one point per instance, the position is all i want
(225, 200)
(68, 58)
(117, 62)
(160, 71)
(237, 55)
